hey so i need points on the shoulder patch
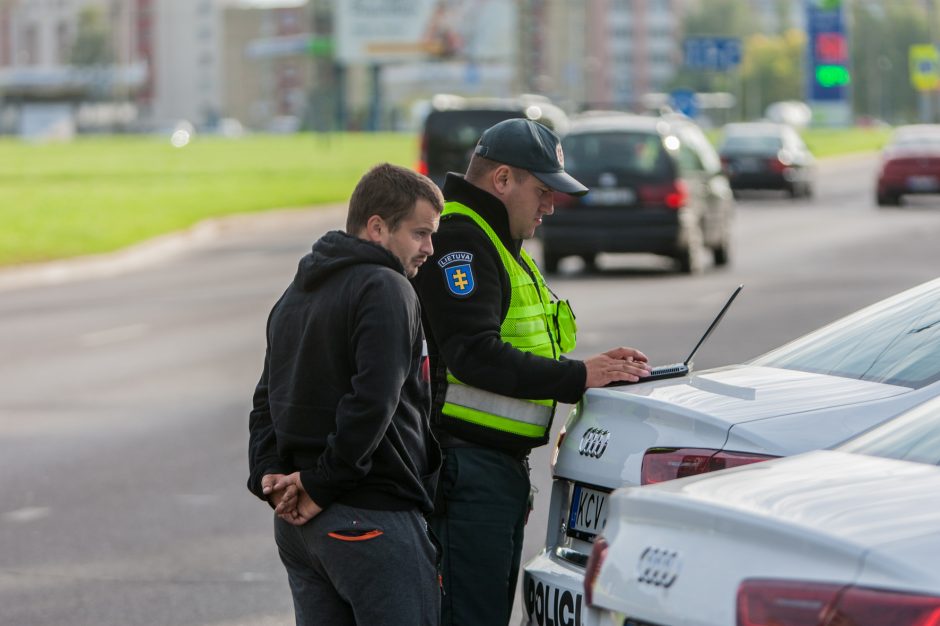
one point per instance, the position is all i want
(455, 257)
(459, 279)
(458, 273)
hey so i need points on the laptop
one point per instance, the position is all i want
(681, 369)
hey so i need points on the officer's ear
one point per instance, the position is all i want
(376, 230)
(502, 178)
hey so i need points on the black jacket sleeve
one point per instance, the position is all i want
(466, 329)
(385, 324)
(263, 457)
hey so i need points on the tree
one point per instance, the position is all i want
(771, 71)
(882, 33)
(93, 40)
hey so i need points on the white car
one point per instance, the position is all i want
(812, 393)
(848, 536)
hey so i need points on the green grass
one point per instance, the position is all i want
(103, 193)
(100, 194)
(825, 142)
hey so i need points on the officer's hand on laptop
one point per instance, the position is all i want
(619, 364)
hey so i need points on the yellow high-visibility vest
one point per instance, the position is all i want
(531, 325)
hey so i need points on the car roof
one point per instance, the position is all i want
(451, 102)
(604, 121)
(917, 129)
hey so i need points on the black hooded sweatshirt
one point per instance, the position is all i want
(344, 395)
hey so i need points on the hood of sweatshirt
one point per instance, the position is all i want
(337, 250)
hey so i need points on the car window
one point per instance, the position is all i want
(752, 143)
(911, 140)
(461, 129)
(914, 436)
(631, 152)
(896, 342)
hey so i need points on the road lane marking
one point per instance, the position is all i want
(27, 514)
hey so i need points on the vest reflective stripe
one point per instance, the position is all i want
(466, 396)
(494, 421)
(527, 328)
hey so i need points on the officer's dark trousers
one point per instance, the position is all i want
(479, 519)
(349, 566)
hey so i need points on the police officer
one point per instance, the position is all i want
(496, 337)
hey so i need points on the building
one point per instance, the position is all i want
(113, 64)
(600, 53)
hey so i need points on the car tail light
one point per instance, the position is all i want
(422, 165)
(776, 165)
(764, 602)
(661, 464)
(673, 195)
(592, 569)
(563, 200)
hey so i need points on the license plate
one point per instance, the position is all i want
(923, 183)
(605, 197)
(588, 515)
(749, 165)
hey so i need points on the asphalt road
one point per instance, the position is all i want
(124, 391)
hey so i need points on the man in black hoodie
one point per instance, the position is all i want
(340, 443)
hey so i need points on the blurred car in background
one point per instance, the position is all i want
(454, 124)
(656, 186)
(846, 536)
(811, 393)
(910, 164)
(766, 155)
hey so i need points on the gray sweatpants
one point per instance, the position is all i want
(351, 566)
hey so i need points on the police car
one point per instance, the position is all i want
(812, 393)
(849, 535)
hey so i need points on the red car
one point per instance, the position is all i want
(910, 164)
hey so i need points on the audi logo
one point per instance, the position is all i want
(658, 567)
(594, 442)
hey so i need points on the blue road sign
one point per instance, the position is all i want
(712, 53)
(683, 101)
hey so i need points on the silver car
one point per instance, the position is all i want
(849, 535)
(812, 393)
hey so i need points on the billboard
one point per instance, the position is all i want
(386, 31)
(828, 54)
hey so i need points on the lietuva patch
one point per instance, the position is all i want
(458, 273)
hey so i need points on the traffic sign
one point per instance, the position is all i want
(925, 67)
(684, 101)
(712, 53)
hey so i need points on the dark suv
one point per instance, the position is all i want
(656, 187)
(455, 123)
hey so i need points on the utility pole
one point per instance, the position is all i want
(928, 97)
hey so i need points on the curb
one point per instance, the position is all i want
(157, 249)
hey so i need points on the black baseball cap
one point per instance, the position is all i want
(530, 146)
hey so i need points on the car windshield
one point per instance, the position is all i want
(461, 129)
(914, 436)
(752, 143)
(628, 152)
(896, 342)
(917, 141)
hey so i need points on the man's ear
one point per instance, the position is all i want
(501, 177)
(376, 230)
